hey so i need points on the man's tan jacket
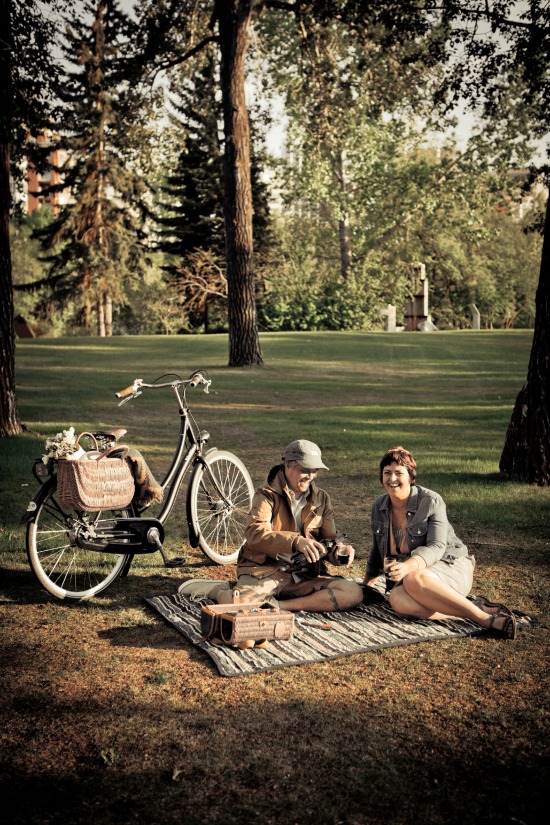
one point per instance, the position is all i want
(271, 529)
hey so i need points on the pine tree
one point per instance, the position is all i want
(94, 241)
(191, 204)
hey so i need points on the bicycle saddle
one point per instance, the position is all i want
(111, 435)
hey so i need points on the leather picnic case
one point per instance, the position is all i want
(236, 623)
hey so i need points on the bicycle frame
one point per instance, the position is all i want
(189, 451)
(189, 448)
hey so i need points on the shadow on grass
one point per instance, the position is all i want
(19, 586)
(297, 763)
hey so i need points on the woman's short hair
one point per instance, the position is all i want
(401, 456)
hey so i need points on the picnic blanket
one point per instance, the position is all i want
(317, 637)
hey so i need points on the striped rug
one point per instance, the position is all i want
(317, 637)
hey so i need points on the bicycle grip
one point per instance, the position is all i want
(197, 379)
(127, 391)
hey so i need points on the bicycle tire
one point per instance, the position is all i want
(67, 571)
(220, 525)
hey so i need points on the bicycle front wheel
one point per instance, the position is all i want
(60, 562)
(220, 495)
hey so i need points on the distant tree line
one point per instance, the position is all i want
(363, 193)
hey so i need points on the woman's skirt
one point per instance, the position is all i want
(457, 573)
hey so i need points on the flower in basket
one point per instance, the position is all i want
(60, 446)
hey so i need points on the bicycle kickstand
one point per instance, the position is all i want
(153, 537)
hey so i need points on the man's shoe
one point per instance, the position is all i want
(198, 590)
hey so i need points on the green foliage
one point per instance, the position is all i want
(25, 259)
(34, 72)
(362, 179)
(505, 72)
(358, 84)
(302, 292)
(151, 306)
(498, 273)
(404, 205)
(109, 757)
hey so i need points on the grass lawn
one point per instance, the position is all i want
(109, 716)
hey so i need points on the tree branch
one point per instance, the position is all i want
(182, 58)
(490, 16)
(33, 286)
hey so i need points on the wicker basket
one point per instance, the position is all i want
(92, 485)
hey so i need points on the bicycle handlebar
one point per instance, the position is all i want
(135, 389)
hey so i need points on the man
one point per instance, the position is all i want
(290, 515)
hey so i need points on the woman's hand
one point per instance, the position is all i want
(397, 570)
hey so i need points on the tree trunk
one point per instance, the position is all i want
(244, 345)
(108, 315)
(9, 414)
(101, 316)
(345, 245)
(526, 453)
(344, 231)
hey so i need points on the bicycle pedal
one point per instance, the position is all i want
(177, 561)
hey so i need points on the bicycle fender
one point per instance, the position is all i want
(200, 462)
(193, 535)
(201, 458)
(37, 500)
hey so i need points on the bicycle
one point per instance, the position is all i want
(76, 555)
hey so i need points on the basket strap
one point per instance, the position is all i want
(90, 435)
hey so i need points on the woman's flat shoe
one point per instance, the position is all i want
(508, 629)
(482, 602)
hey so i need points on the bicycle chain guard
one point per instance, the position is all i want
(121, 535)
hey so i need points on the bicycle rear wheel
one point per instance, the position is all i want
(62, 566)
(220, 495)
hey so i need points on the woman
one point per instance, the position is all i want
(429, 571)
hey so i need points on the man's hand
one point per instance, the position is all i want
(313, 550)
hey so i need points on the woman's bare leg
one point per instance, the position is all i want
(423, 595)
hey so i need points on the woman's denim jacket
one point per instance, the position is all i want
(429, 533)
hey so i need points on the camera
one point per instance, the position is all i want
(301, 564)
